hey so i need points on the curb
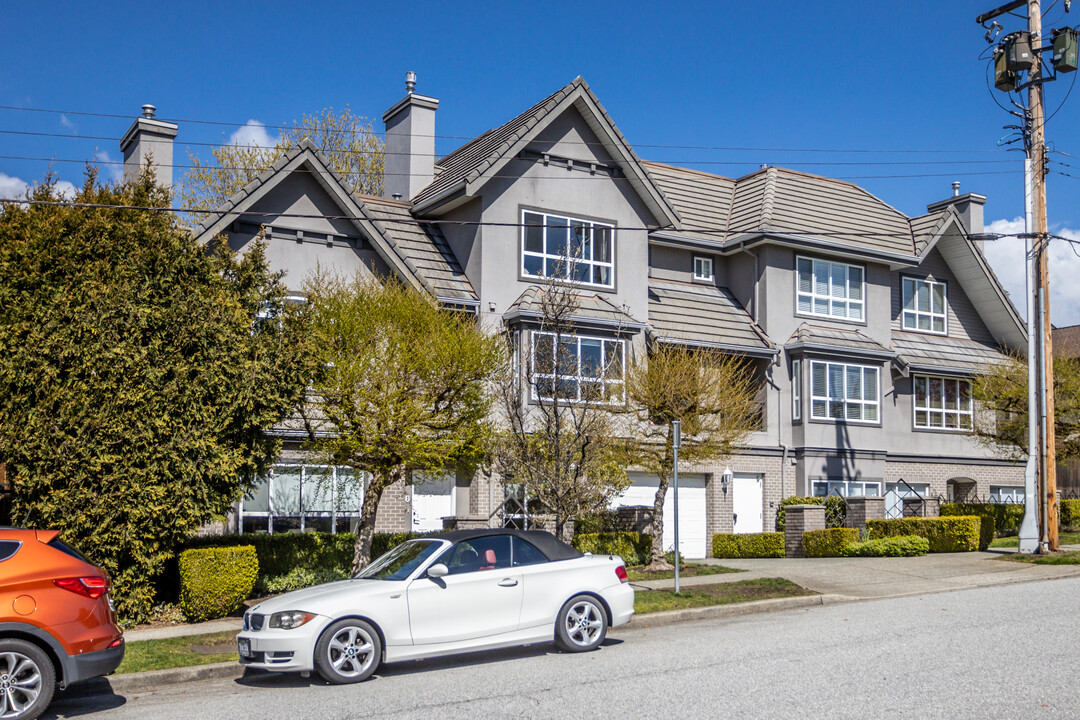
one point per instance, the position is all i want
(671, 617)
(133, 683)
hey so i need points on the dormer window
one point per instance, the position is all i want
(581, 251)
(924, 306)
(703, 268)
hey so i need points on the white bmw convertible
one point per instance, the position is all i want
(453, 592)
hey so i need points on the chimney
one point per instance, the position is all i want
(969, 206)
(149, 137)
(410, 143)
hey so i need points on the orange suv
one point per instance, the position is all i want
(57, 624)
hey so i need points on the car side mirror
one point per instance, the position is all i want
(438, 570)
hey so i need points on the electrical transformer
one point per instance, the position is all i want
(1018, 52)
(1065, 45)
(1004, 78)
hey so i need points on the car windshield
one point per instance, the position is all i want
(399, 563)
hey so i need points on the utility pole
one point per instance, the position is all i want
(1023, 52)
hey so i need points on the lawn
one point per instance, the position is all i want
(143, 655)
(1065, 538)
(1069, 557)
(651, 601)
(638, 572)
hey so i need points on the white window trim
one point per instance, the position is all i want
(544, 256)
(712, 273)
(1014, 492)
(577, 378)
(904, 312)
(916, 408)
(812, 295)
(306, 472)
(845, 486)
(796, 389)
(862, 403)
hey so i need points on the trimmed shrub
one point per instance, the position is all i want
(835, 510)
(752, 545)
(634, 548)
(1069, 515)
(997, 518)
(946, 534)
(899, 546)
(829, 542)
(297, 579)
(216, 581)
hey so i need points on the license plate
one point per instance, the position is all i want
(243, 645)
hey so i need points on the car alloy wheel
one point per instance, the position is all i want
(27, 680)
(581, 625)
(348, 651)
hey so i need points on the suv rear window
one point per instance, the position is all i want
(68, 550)
(8, 548)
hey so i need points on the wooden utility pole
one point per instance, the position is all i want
(1047, 441)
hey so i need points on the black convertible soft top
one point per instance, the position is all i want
(545, 542)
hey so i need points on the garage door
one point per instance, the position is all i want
(692, 539)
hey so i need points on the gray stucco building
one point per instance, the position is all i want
(863, 322)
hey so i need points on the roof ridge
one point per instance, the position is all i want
(768, 197)
(692, 171)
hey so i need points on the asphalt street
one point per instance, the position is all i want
(1001, 652)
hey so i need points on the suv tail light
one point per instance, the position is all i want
(91, 586)
(620, 572)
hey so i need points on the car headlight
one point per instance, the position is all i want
(289, 619)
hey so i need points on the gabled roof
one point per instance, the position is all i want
(934, 353)
(466, 169)
(704, 316)
(592, 311)
(418, 255)
(829, 340)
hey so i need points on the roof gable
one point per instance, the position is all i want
(469, 168)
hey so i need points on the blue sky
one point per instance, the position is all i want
(812, 86)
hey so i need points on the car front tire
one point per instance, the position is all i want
(581, 625)
(27, 680)
(348, 651)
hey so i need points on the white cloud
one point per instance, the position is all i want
(13, 187)
(1006, 257)
(67, 123)
(252, 133)
(112, 170)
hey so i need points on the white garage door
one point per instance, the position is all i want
(692, 539)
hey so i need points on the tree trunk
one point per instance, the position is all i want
(657, 561)
(365, 533)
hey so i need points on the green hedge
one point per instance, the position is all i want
(1069, 514)
(997, 518)
(216, 581)
(946, 534)
(829, 542)
(899, 546)
(753, 545)
(835, 510)
(634, 548)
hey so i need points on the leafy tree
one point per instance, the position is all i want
(715, 397)
(135, 388)
(1001, 396)
(565, 452)
(348, 142)
(402, 385)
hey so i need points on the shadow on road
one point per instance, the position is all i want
(413, 667)
(83, 699)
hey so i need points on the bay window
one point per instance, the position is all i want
(841, 391)
(578, 368)
(942, 403)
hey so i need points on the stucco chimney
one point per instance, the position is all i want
(149, 137)
(969, 206)
(410, 143)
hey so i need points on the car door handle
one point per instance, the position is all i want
(507, 582)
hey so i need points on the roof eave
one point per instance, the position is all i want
(761, 352)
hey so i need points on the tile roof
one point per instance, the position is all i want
(591, 308)
(703, 315)
(835, 338)
(933, 351)
(1066, 341)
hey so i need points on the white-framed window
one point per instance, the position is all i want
(942, 403)
(1006, 494)
(924, 305)
(846, 488)
(703, 268)
(796, 389)
(578, 368)
(298, 497)
(829, 288)
(840, 391)
(581, 251)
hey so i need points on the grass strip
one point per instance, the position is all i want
(143, 655)
(692, 570)
(1069, 557)
(652, 601)
(1065, 538)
